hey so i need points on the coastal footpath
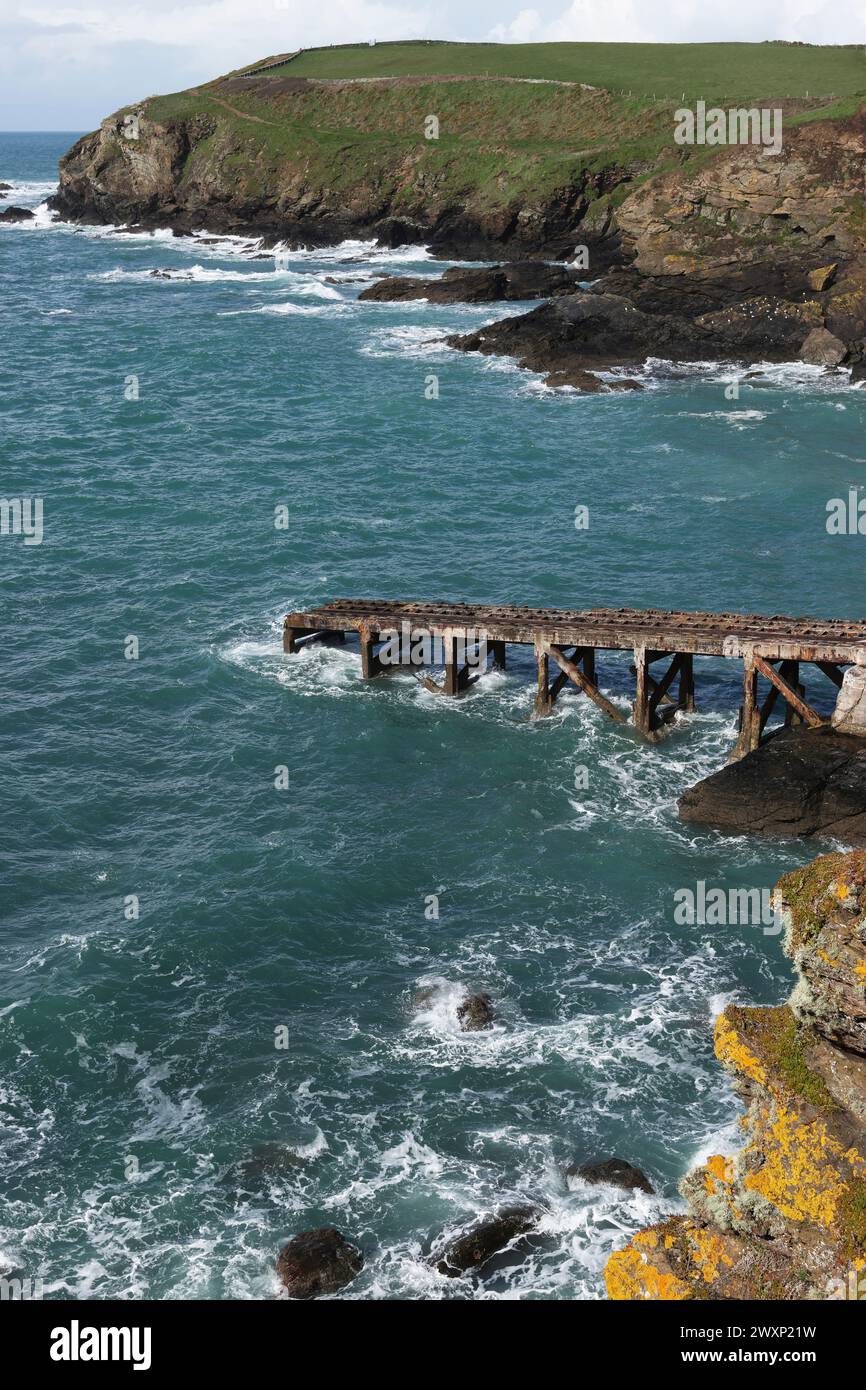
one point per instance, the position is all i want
(785, 1216)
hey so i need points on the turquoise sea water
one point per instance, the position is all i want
(138, 1064)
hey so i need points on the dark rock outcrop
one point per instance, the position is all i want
(475, 1012)
(614, 1171)
(823, 349)
(13, 214)
(318, 1262)
(596, 328)
(524, 280)
(800, 782)
(472, 1250)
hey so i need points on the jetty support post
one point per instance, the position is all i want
(687, 683)
(750, 731)
(497, 653)
(790, 672)
(451, 685)
(653, 705)
(293, 636)
(641, 708)
(543, 702)
(370, 664)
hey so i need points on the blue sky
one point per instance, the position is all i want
(63, 66)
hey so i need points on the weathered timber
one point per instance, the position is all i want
(806, 712)
(584, 683)
(577, 656)
(543, 704)
(659, 631)
(571, 637)
(370, 664)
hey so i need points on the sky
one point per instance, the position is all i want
(65, 66)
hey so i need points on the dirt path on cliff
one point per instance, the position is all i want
(244, 115)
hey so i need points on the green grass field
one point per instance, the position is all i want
(665, 71)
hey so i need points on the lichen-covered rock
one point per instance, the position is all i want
(823, 908)
(785, 1216)
(682, 1259)
(318, 1262)
(822, 277)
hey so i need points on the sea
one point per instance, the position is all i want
(243, 893)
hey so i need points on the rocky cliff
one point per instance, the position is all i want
(785, 1216)
(311, 162)
(696, 251)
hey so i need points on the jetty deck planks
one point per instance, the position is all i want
(570, 639)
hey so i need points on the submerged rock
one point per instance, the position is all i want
(14, 214)
(614, 1171)
(476, 1012)
(318, 1262)
(785, 1216)
(472, 1250)
(266, 1160)
(800, 782)
(581, 380)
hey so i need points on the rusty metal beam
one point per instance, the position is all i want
(806, 712)
(588, 686)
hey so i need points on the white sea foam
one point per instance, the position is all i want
(737, 419)
(305, 310)
(406, 340)
(298, 284)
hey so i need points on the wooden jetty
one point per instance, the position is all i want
(773, 648)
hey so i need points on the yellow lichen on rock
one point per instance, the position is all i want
(786, 1216)
(717, 1170)
(799, 1172)
(733, 1052)
(641, 1271)
(710, 1253)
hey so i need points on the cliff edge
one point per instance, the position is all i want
(785, 1216)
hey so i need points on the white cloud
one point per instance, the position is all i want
(525, 27)
(65, 65)
(238, 30)
(616, 21)
(694, 21)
